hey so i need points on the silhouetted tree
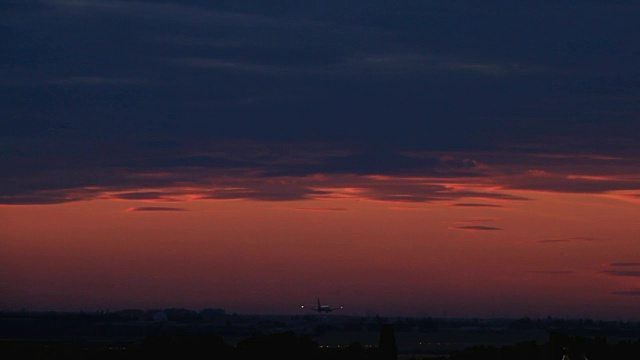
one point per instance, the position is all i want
(356, 351)
(476, 353)
(387, 348)
(282, 346)
(183, 345)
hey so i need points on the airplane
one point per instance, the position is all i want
(323, 308)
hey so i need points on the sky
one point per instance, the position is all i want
(409, 158)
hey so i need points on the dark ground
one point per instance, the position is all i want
(212, 333)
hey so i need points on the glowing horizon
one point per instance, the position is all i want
(470, 246)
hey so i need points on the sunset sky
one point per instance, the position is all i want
(411, 158)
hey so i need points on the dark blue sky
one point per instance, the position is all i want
(448, 149)
(91, 87)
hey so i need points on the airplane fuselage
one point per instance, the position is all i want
(323, 308)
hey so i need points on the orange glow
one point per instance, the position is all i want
(260, 256)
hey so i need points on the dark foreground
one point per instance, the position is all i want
(183, 334)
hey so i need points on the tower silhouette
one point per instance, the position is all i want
(387, 347)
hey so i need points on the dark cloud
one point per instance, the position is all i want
(586, 238)
(260, 171)
(46, 197)
(265, 193)
(490, 195)
(95, 92)
(625, 264)
(94, 81)
(199, 161)
(635, 292)
(623, 269)
(477, 228)
(156, 208)
(246, 171)
(476, 205)
(478, 220)
(368, 163)
(551, 272)
(321, 209)
(145, 195)
(343, 69)
(573, 183)
(553, 241)
(626, 273)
